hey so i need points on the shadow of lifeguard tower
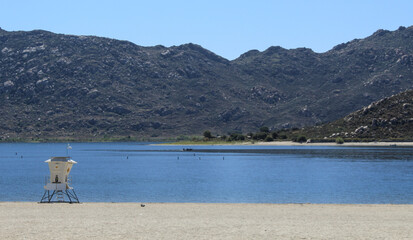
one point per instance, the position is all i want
(57, 188)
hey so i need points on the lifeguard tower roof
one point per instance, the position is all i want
(60, 159)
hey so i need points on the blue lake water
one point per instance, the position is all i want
(134, 172)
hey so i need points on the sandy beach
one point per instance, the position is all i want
(28, 220)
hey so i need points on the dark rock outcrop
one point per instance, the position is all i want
(388, 118)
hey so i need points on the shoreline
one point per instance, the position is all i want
(290, 143)
(209, 203)
(274, 143)
(235, 143)
(22, 220)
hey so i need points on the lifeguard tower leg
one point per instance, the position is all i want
(73, 195)
(44, 196)
(68, 195)
(48, 197)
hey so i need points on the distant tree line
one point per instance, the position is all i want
(263, 134)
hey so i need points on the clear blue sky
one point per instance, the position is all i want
(228, 28)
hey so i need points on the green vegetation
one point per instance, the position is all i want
(236, 137)
(299, 139)
(268, 139)
(260, 136)
(264, 129)
(283, 136)
(264, 134)
(207, 134)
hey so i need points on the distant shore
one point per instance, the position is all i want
(226, 143)
(290, 143)
(29, 220)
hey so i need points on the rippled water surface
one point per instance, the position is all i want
(133, 172)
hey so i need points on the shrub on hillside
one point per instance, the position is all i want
(236, 137)
(283, 136)
(339, 140)
(264, 129)
(207, 134)
(269, 139)
(260, 136)
(299, 139)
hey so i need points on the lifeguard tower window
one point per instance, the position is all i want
(56, 179)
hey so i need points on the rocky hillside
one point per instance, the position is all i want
(323, 87)
(388, 118)
(54, 85)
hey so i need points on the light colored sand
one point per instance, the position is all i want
(24, 220)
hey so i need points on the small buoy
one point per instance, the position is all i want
(142, 205)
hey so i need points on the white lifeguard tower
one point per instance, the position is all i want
(57, 184)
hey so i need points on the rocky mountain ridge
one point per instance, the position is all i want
(388, 118)
(55, 85)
